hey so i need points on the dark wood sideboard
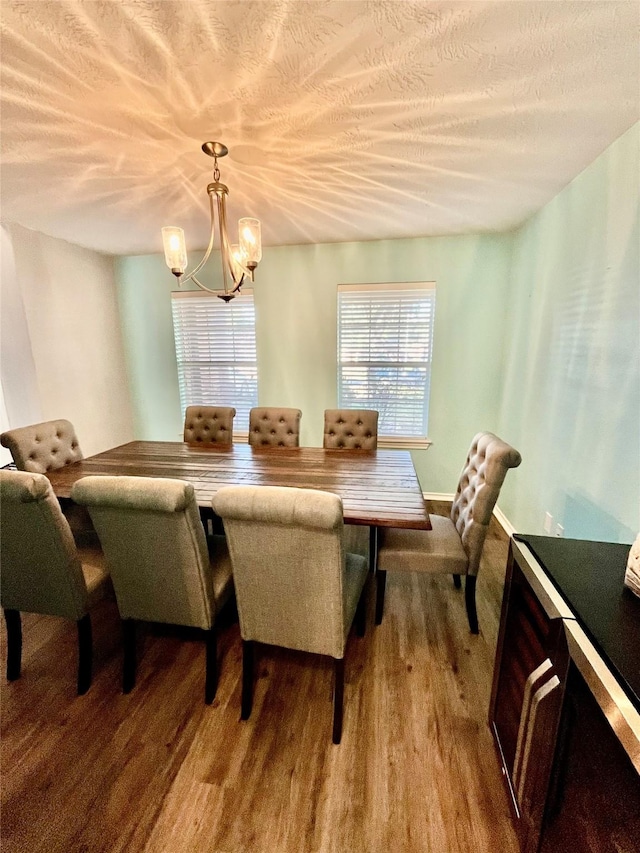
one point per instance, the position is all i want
(565, 703)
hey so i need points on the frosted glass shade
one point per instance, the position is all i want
(175, 249)
(238, 260)
(250, 241)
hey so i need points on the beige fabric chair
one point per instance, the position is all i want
(43, 447)
(455, 544)
(209, 424)
(295, 585)
(350, 429)
(155, 548)
(353, 429)
(42, 570)
(274, 427)
(46, 447)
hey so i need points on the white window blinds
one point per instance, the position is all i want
(385, 343)
(216, 352)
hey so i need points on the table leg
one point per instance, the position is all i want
(373, 548)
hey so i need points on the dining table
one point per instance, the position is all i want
(378, 488)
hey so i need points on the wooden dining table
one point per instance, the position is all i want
(378, 488)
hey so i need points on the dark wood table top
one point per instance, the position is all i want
(377, 487)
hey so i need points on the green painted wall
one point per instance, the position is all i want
(147, 328)
(571, 401)
(536, 337)
(296, 305)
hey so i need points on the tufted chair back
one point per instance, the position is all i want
(350, 429)
(274, 427)
(154, 545)
(43, 447)
(487, 463)
(209, 424)
(41, 569)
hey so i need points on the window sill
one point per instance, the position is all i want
(403, 442)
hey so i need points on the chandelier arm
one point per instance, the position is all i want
(203, 286)
(228, 261)
(224, 242)
(224, 248)
(191, 275)
(239, 284)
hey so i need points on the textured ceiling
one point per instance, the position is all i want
(345, 120)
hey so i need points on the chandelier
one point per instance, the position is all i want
(238, 259)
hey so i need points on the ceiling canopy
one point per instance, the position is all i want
(354, 120)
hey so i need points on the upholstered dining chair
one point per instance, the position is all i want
(296, 586)
(39, 448)
(44, 447)
(350, 429)
(209, 424)
(42, 569)
(155, 549)
(271, 427)
(454, 544)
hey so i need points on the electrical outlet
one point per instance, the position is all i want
(548, 522)
(559, 530)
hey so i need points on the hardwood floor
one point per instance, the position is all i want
(157, 770)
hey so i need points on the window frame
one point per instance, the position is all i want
(386, 440)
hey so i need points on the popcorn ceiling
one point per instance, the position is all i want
(345, 120)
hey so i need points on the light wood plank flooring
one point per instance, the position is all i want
(159, 771)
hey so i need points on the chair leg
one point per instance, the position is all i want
(247, 679)
(129, 663)
(381, 582)
(457, 582)
(14, 644)
(85, 654)
(361, 612)
(211, 681)
(338, 696)
(470, 601)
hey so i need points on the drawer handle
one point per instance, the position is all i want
(535, 680)
(542, 714)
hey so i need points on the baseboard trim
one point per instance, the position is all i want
(499, 516)
(438, 496)
(504, 522)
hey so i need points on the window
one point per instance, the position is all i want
(216, 352)
(385, 342)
